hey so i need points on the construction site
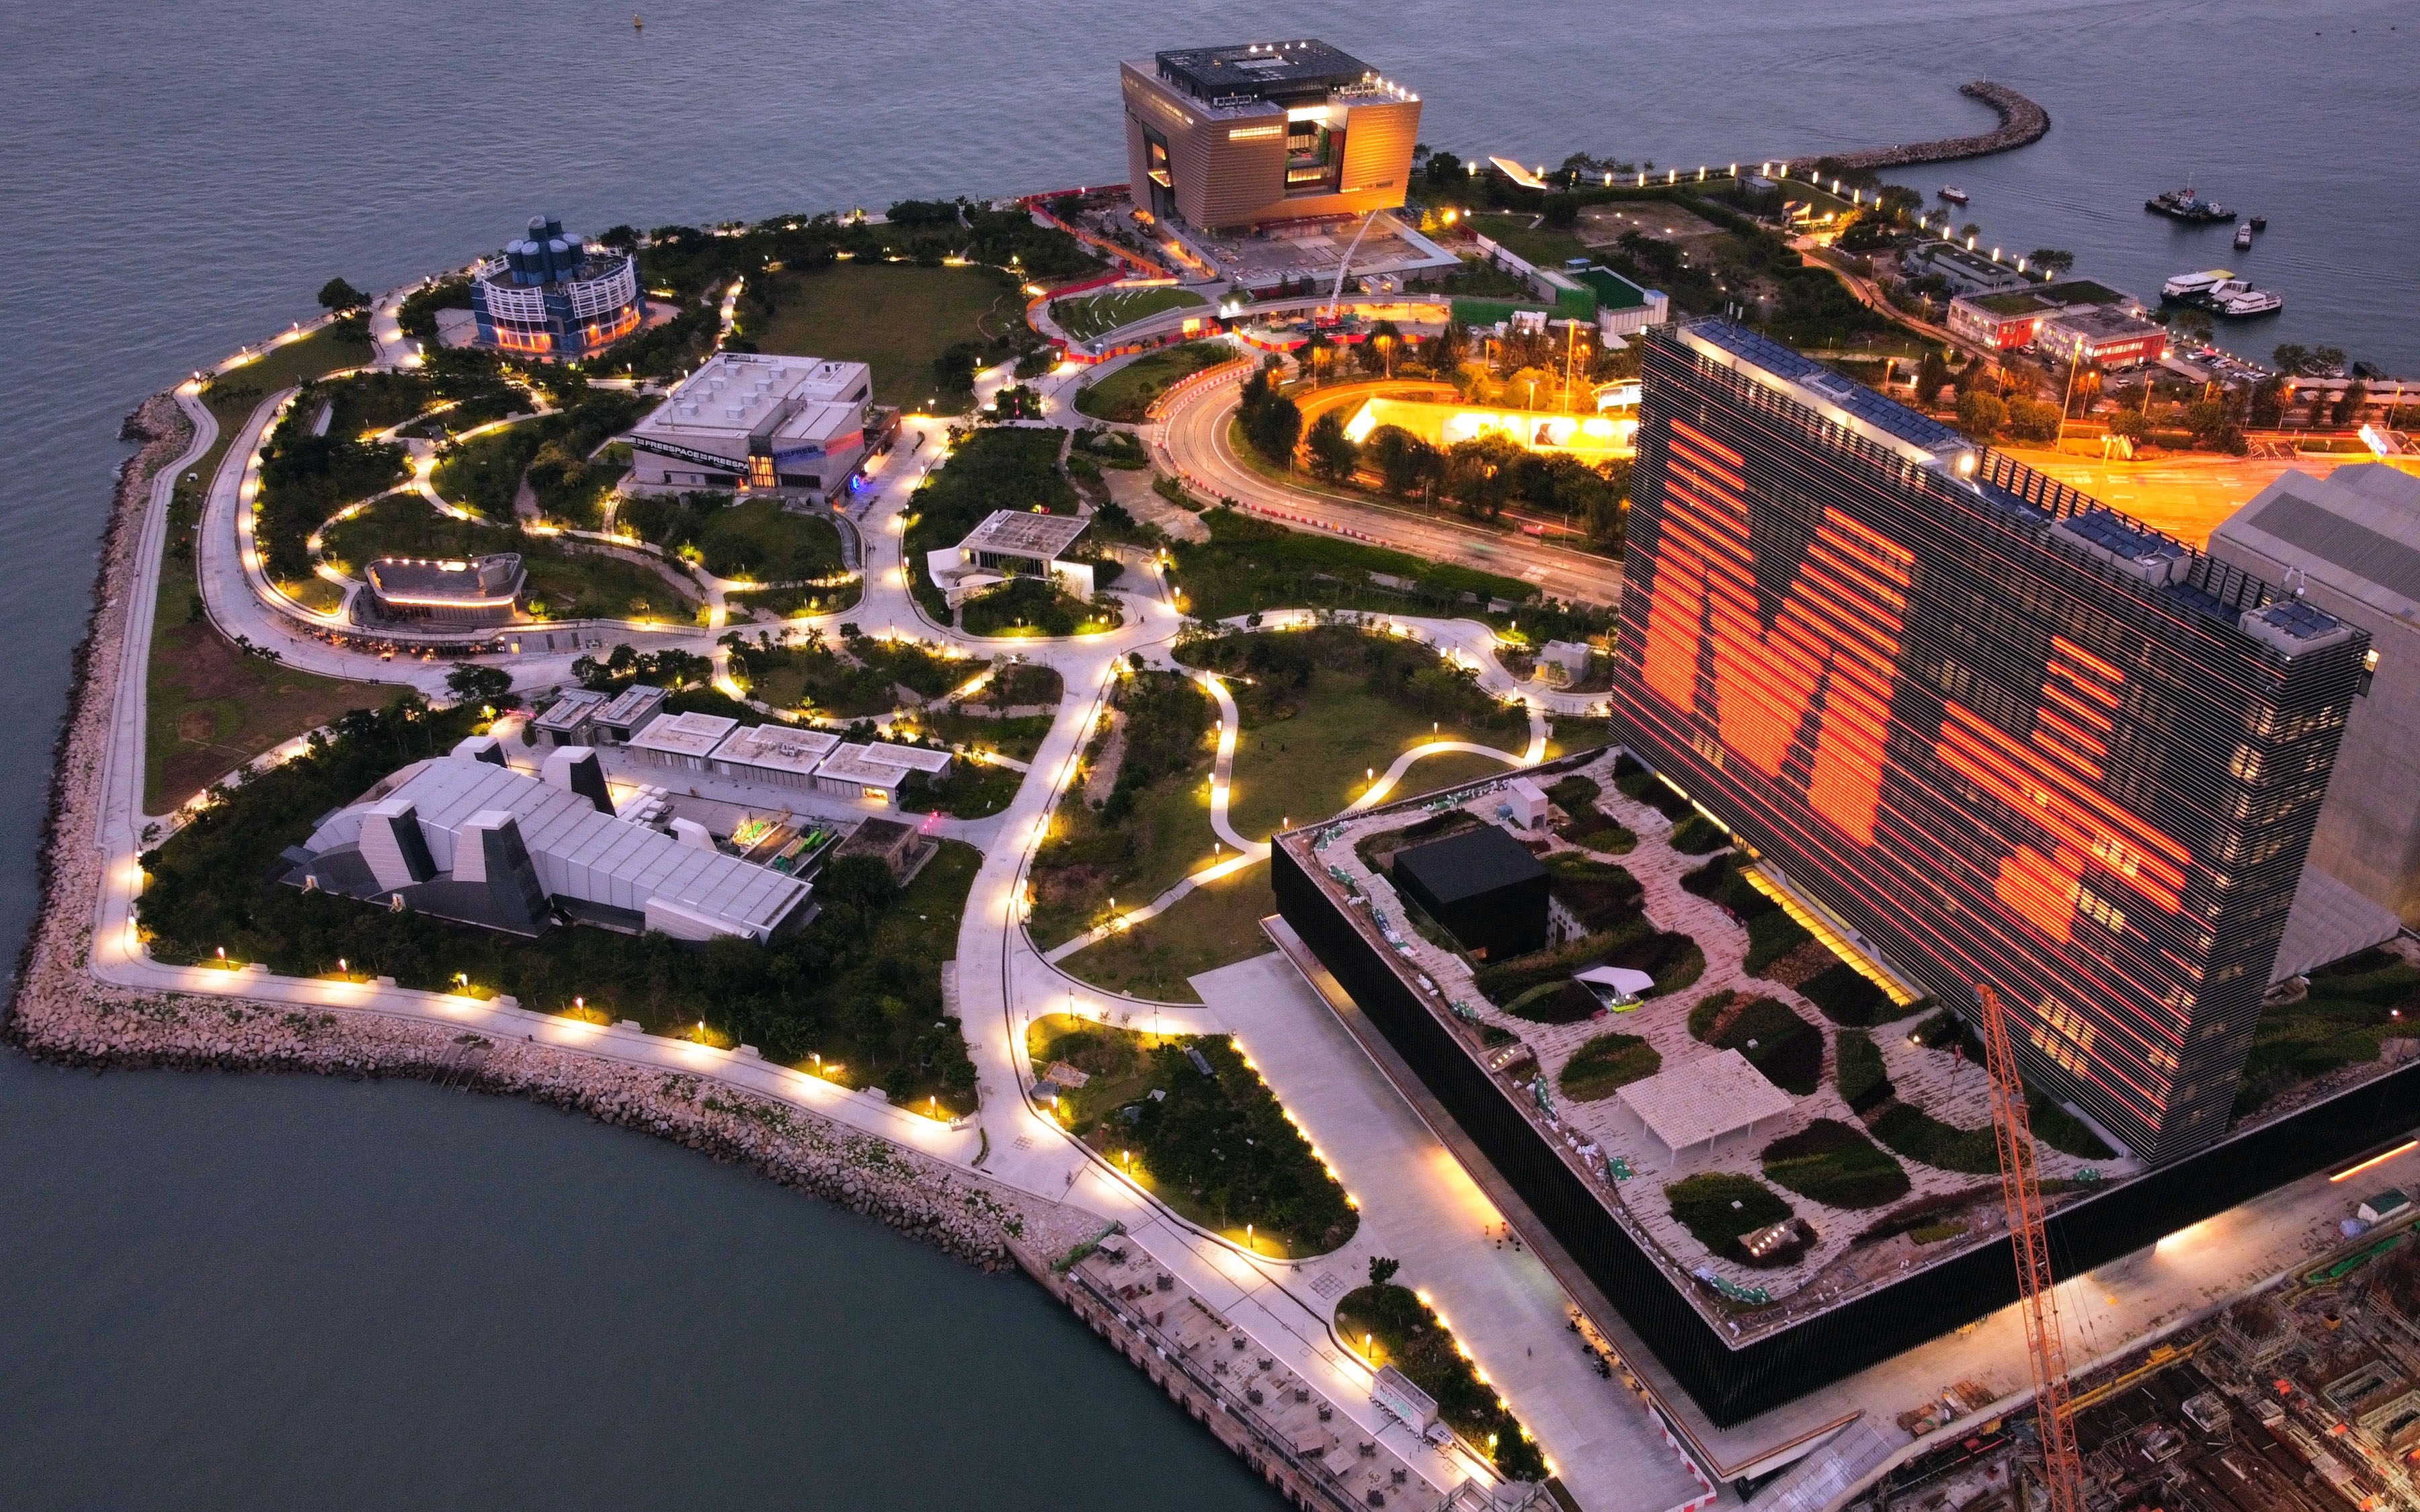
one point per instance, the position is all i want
(2304, 1397)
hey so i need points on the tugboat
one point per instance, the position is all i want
(2189, 206)
(1954, 194)
(2261, 222)
(2242, 237)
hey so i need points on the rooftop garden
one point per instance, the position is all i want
(1607, 1064)
(1389, 1324)
(1720, 1208)
(1776, 1041)
(1584, 823)
(1195, 1125)
(1836, 1165)
(2349, 1011)
(855, 995)
(1083, 317)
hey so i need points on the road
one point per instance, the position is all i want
(2187, 496)
(1192, 439)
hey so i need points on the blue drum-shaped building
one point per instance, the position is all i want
(552, 295)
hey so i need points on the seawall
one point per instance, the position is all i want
(2021, 121)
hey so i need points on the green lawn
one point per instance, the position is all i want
(1215, 925)
(1718, 1207)
(1153, 828)
(568, 584)
(1087, 315)
(896, 316)
(1128, 392)
(209, 707)
(404, 525)
(1542, 246)
(2350, 1006)
(484, 473)
(1036, 608)
(761, 540)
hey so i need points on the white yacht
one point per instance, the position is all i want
(2237, 298)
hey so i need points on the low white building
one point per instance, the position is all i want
(684, 742)
(1011, 543)
(745, 420)
(462, 838)
(875, 770)
(779, 754)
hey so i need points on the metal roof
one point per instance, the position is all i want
(777, 748)
(579, 851)
(1704, 1100)
(1261, 71)
(1023, 534)
(684, 734)
(1470, 864)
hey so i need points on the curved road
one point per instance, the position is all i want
(1193, 441)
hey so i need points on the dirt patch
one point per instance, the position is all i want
(196, 725)
(1604, 225)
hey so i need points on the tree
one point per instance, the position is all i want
(1273, 426)
(2130, 424)
(341, 297)
(1562, 212)
(1444, 168)
(2268, 402)
(1931, 377)
(2055, 261)
(1382, 1268)
(2033, 420)
(2292, 357)
(619, 238)
(2347, 409)
(1333, 456)
(2215, 426)
(954, 369)
(1405, 462)
(472, 683)
(1479, 473)
(1981, 415)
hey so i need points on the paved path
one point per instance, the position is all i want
(1004, 982)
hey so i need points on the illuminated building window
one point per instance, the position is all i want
(2093, 907)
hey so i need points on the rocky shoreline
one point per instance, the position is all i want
(59, 1012)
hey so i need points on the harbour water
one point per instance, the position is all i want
(268, 1292)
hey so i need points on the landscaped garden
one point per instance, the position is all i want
(1389, 1324)
(1126, 393)
(209, 705)
(1150, 826)
(861, 677)
(757, 540)
(1586, 826)
(1776, 1041)
(2350, 1008)
(1217, 924)
(1083, 316)
(1036, 606)
(1196, 1128)
(1322, 709)
(997, 468)
(858, 987)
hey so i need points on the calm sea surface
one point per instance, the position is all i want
(256, 1292)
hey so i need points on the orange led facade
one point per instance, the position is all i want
(2006, 734)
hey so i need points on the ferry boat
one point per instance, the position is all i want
(1954, 194)
(2242, 237)
(2239, 300)
(2189, 288)
(2188, 206)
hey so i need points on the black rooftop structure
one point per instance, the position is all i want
(1483, 886)
(1283, 73)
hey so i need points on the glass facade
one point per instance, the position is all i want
(2004, 733)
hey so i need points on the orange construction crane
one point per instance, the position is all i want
(2021, 1188)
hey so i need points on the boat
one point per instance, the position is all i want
(2240, 300)
(1954, 194)
(2242, 237)
(2261, 222)
(2191, 288)
(2188, 206)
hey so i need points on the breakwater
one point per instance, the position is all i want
(2020, 121)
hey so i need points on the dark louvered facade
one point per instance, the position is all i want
(2003, 732)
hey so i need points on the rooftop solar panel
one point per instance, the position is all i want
(2299, 618)
(2113, 532)
(1874, 409)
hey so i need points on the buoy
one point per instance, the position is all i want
(638, 23)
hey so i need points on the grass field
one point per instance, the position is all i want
(577, 585)
(1125, 393)
(1087, 315)
(1310, 765)
(1215, 925)
(892, 315)
(210, 708)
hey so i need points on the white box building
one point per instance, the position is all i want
(750, 421)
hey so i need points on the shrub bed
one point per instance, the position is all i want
(1847, 997)
(1698, 835)
(1392, 1326)
(1776, 1041)
(1920, 1136)
(1718, 1207)
(1834, 1163)
(1607, 1063)
(1857, 1067)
